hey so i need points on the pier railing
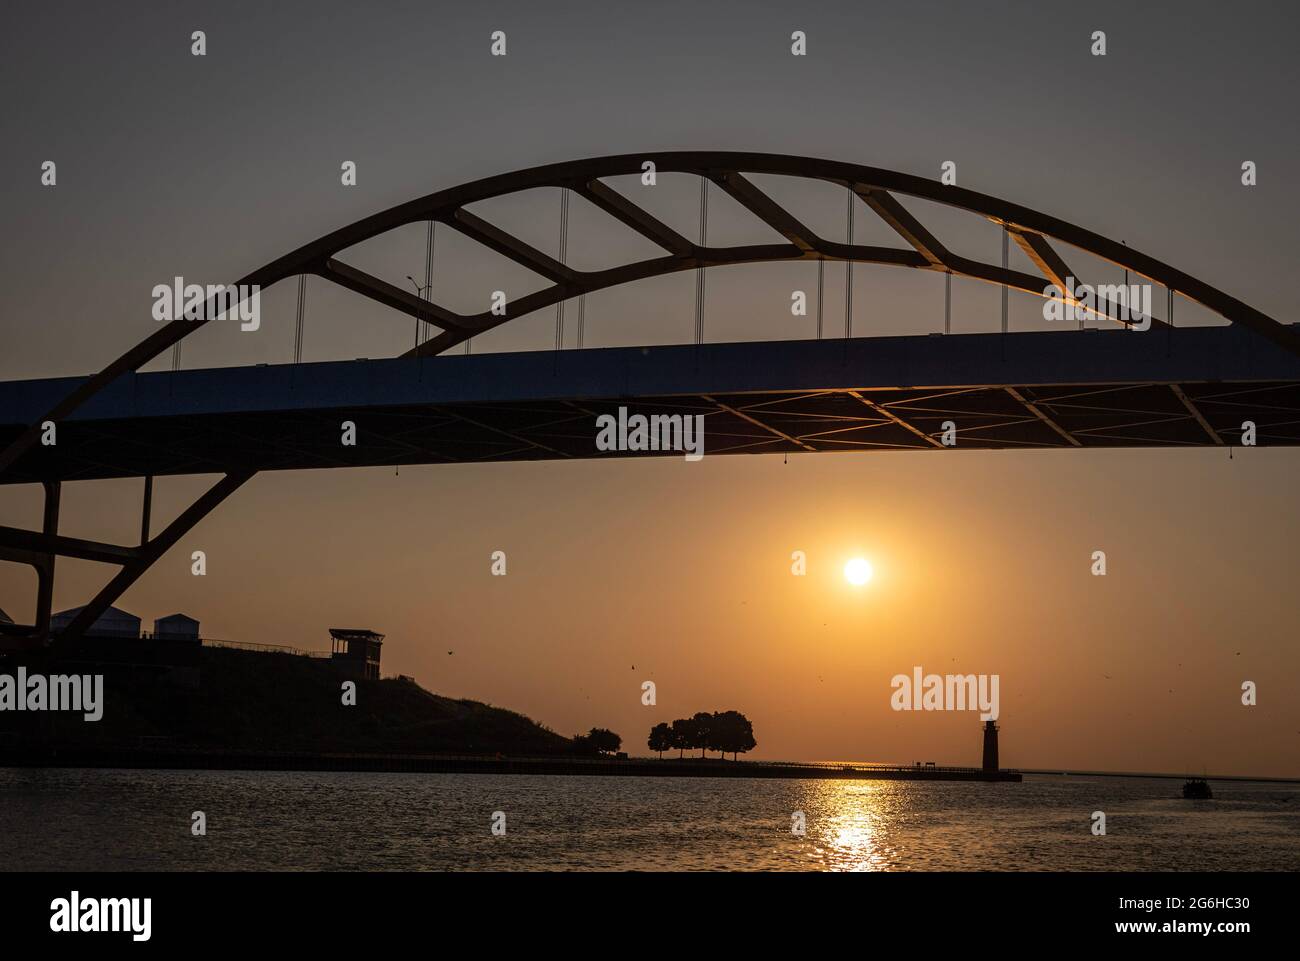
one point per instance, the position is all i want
(265, 648)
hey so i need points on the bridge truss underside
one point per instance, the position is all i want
(1007, 417)
(1032, 391)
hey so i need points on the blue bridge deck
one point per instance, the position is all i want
(1069, 389)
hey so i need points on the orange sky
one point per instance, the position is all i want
(982, 565)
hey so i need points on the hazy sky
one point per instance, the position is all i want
(170, 164)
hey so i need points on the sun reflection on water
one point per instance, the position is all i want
(855, 824)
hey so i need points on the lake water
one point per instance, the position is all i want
(85, 820)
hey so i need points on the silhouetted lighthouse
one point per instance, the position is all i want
(990, 747)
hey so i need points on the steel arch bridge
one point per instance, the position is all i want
(1058, 389)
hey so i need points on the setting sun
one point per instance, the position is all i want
(857, 571)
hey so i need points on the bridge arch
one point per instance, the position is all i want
(878, 188)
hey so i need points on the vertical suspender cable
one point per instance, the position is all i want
(821, 283)
(947, 302)
(425, 333)
(1127, 327)
(302, 313)
(848, 277)
(582, 317)
(699, 271)
(467, 343)
(1006, 262)
(564, 252)
(1169, 328)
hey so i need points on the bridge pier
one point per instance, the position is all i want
(40, 549)
(42, 561)
(45, 573)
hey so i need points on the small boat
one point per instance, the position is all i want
(1198, 789)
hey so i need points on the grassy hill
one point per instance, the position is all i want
(271, 701)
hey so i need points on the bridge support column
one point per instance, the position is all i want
(144, 557)
(145, 509)
(37, 552)
(45, 573)
(39, 549)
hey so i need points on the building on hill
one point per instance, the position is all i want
(114, 622)
(356, 652)
(176, 627)
(114, 644)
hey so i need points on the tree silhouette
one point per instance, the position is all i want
(604, 740)
(683, 735)
(717, 735)
(661, 739)
(731, 731)
(721, 731)
(701, 724)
